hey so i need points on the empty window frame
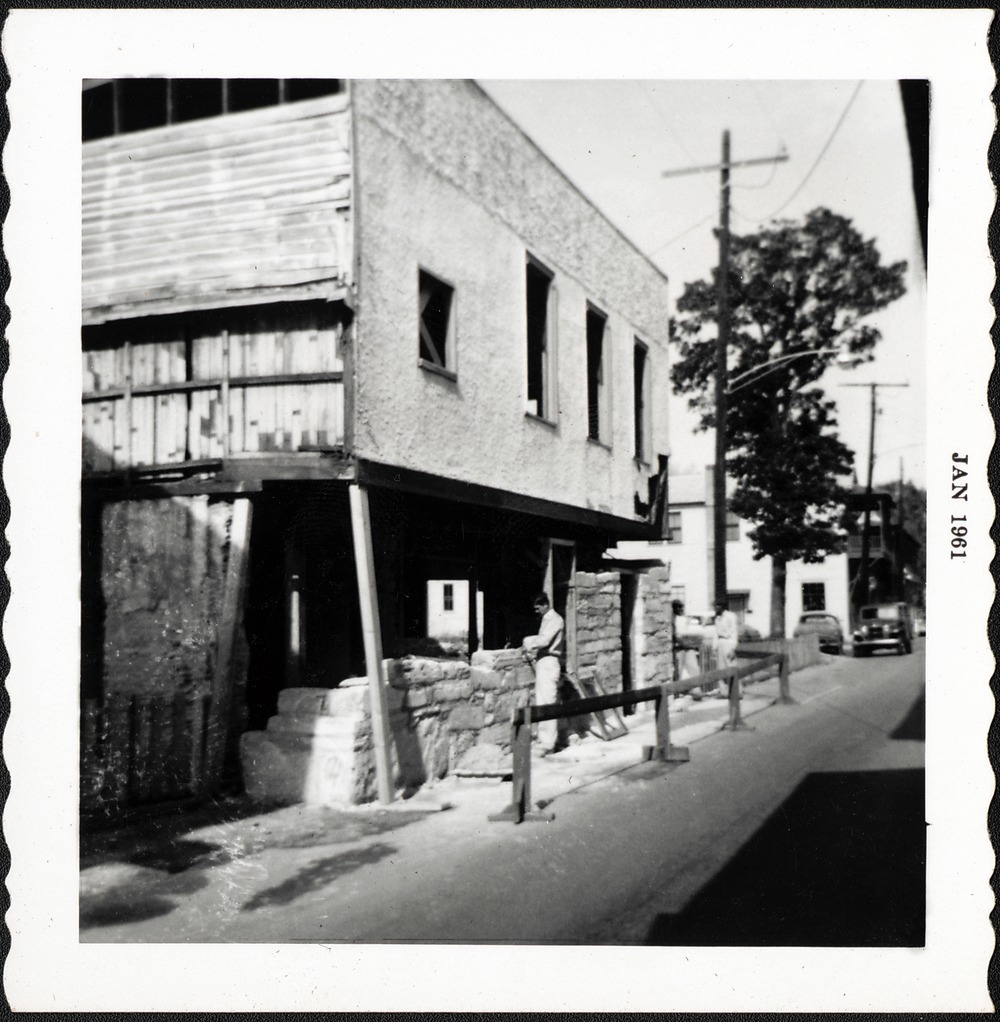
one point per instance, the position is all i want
(598, 376)
(674, 527)
(448, 601)
(641, 394)
(121, 105)
(732, 527)
(814, 596)
(541, 314)
(436, 324)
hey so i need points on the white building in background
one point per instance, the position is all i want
(448, 609)
(691, 551)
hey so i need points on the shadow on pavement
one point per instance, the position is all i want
(133, 902)
(318, 875)
(841, 863)
(911, 727)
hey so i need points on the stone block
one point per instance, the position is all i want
(316, 770)
(452, 691)
(480, 678)
(466, 718)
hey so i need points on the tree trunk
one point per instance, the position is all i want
(779, 574)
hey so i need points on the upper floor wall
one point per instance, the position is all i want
(219, 212)
(507, 333)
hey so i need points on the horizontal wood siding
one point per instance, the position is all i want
(218, 212)
(165, 392)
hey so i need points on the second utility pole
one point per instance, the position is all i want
(721, 585)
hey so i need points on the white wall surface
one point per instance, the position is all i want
(445, 182)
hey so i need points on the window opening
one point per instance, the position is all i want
(640, 392)
(539, 336)
(732, 527)
(122, 105)
(597, 423)
(448, 601)
(674, 527)
(436, 331)
(813, 596)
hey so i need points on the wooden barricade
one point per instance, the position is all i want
(521, 810)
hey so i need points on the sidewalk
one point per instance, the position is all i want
(210, 834)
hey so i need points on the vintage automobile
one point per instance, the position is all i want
(883, 626)
(824, 625)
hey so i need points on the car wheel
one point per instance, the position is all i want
(905, 649)
(858, 652)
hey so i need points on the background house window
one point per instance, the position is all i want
(814, 596)
(436, 341)
(541, 319)
(448, 601)
(732, 527)
(597, 376)
(641, 390)
(674, 526)
(121, 105)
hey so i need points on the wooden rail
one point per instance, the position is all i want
(521, 810)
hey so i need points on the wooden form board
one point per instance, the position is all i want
(197, 215)
(160, 397)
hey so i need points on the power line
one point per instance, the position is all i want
(812, 169)
(684, 233)
(663, 117)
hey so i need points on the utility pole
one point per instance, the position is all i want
(861, 579)
(721, 584)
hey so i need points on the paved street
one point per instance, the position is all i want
(806, 830)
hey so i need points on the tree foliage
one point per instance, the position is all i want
(796, 291)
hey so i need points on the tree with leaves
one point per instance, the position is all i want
(799, 294)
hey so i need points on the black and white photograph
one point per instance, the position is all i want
(493, 509)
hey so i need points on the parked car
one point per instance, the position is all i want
(883, 626)
(826, 626)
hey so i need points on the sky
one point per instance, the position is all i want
(847, 150)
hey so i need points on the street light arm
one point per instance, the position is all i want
(759, 371)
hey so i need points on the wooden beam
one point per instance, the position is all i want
(232, 599)
(397, 478)
(364, 560)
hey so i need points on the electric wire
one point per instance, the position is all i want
(683, 234)
(812, 169)
(663, 117)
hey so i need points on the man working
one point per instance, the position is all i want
(545, 652)
(726, 635)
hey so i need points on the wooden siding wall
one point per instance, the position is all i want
(169, 391)
(219, 212)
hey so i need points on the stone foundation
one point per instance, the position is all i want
(318, 748)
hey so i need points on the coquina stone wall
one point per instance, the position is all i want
(599, 629)
(319, 747)
(654, 629)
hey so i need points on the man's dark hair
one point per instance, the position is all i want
(541, 600)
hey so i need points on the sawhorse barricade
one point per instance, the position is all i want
(521, 809)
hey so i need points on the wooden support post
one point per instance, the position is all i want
(364, 560)
(225, 642)
(519, 810)
(294, 614)
(735, 722)
(663, 750)
(784, 689)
